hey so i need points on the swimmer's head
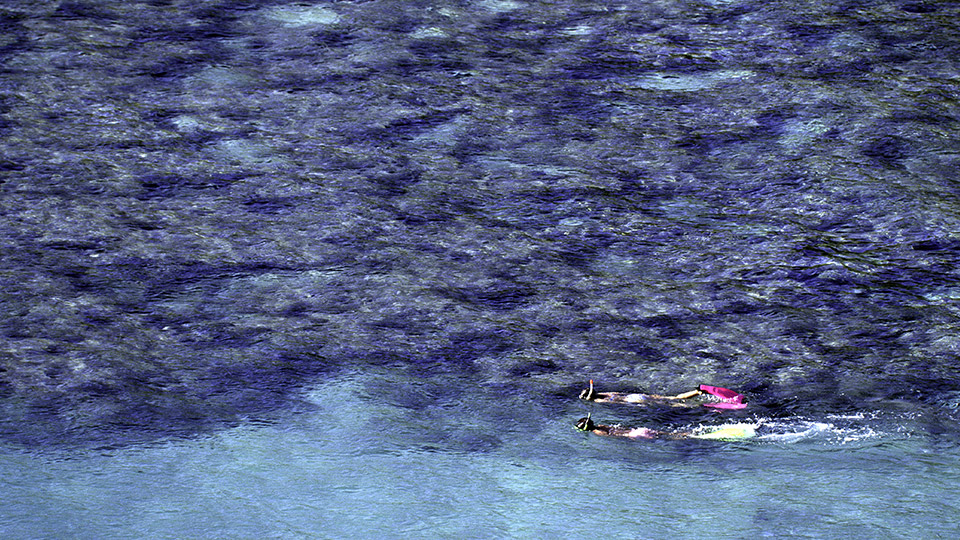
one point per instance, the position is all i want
(588, 394)
(586, 424)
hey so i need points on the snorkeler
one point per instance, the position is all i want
(728, 399)
(606, 430)
(722, 432)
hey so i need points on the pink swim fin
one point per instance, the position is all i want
(728, 398)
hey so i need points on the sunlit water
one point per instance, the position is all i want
(339, 269)
(349, 465)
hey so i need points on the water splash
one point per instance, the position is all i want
(831, 430)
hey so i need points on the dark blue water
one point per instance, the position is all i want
(463, 211)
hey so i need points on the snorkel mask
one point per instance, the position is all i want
(585, 423)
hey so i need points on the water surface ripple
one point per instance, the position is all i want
(206, 206)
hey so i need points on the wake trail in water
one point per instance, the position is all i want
(830, 430)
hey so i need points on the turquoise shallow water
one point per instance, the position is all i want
(348, 464)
